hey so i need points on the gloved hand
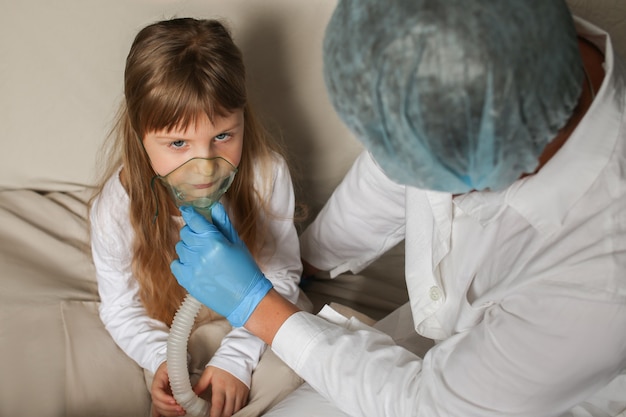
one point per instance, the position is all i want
(216, 268)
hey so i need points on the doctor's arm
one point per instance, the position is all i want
(492, 369)
(524, 348)
(363, 219)
(269, 316)
(237, 289)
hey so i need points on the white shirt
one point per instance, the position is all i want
(145, 339)
(524, 289)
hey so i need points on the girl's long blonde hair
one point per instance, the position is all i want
(175, 71)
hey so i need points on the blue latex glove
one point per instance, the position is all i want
(216, 268)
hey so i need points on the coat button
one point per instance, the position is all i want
(435, 293)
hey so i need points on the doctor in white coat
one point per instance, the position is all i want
(496, 148)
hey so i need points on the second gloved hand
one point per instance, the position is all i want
(216, 268)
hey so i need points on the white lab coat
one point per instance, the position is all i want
(524, 290)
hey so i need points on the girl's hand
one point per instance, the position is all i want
(228, 393)
(163, 403)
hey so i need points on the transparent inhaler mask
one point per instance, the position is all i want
(200, 183)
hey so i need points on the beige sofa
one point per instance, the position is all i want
(61, 74)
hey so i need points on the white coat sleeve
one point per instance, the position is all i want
(514, 363)
(359, 369)
(364, 218)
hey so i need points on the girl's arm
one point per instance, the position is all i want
(280, 258)
(142, 338)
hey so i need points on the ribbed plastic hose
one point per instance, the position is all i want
(222, 172)
(177, 359)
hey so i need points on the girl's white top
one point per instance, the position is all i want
(145, 339)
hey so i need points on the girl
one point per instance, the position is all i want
(185, 97)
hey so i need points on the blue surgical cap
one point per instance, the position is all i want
(453, 95)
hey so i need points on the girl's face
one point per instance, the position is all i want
(170, 149)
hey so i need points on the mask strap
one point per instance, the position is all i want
(156, 198)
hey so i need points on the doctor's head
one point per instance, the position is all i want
(453, 95)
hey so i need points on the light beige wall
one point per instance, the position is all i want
(61, 80)
(608, 14)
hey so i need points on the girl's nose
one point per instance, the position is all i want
(205, 150)
(205, 166)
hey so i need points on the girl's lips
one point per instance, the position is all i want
(203, 186)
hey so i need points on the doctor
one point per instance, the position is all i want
(496, 148)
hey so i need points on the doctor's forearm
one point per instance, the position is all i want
(269, 316)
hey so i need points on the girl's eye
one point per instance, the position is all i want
(177, 144)
(222, 136)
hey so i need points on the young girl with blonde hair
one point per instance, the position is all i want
(185, 98)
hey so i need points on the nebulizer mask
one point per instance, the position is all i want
(199, 183)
